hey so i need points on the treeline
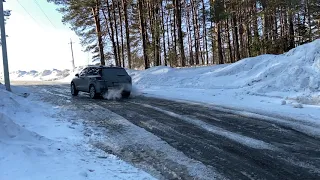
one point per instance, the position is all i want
(144, 33)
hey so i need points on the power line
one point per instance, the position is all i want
(28, 12)
(44, 13)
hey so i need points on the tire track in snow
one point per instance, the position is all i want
(272, 132)
(244, 140)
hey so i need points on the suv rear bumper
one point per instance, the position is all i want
(103, 86)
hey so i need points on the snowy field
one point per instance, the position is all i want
(36, 142)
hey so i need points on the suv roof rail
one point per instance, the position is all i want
(104, 66)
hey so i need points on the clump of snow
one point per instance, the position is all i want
(297, 105)
(283, 102)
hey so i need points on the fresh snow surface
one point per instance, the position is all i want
(282, 86)
(36, 144)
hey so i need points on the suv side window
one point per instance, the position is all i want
(83, 72)
(89, 71)
(93, 71)
(97, 71)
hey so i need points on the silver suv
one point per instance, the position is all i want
(97, 80)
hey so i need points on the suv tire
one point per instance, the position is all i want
(92, 92)
(74, 91)
(125, 94)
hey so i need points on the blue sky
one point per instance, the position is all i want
(34, 43)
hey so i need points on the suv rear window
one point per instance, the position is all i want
(114, 72)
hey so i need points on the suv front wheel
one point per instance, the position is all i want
(74, 91)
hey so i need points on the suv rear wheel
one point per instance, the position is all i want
(125, 94)
(92, 92)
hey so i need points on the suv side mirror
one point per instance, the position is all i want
(77, 75)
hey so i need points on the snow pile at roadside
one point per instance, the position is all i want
(46, 75)
(36, 145)
(71, 75)
(10, 131)
(295, 74)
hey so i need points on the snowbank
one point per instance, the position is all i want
(71, 75)
(10, 131)
(294, 74)
(46, 75)
(36, 145)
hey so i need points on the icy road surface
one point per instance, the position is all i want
(175, 140)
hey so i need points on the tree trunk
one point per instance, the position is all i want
(248, 30)
(286, 34)
(212, 32)
(114, 47)
(266, 26)
(143, 35)
(220, 53)
(205, 40)
(241, 31)
(125, 12)
(175, 36)
(150, 8)
(195, 22)
(163, 36)
(291, 31)
(121, 34)
(157, 33)
(96, 14)
(309, 21)
(249, 37)
(191, 62)
(229, 41)
(180, 36)
(168, 36)
(198, 38)
(256, 44)
(236, 37)
(116, 31)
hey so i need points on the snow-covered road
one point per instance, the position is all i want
(170, 139)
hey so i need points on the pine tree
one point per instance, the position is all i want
(144, 33)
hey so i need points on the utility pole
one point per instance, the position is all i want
(4, 49)
(73, 66)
